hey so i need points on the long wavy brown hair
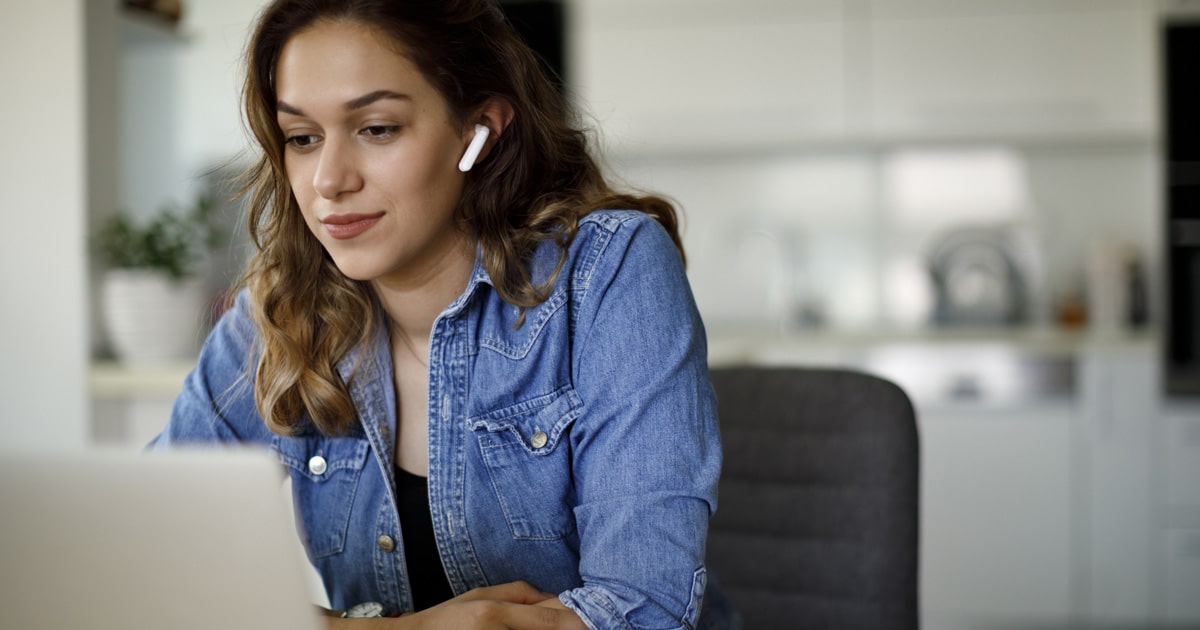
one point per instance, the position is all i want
(535, 186)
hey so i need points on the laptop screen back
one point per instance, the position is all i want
(182, 540)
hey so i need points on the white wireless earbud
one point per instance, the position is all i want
(472, 152)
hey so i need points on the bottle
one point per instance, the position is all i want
(1138, 312)
(1107, 302)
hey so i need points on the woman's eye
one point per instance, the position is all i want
(380, 132)
(300, 141)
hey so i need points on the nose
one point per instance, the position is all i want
(337, 173)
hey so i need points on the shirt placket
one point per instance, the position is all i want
(449, 350)
(376, 402)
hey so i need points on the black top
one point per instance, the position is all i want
(427, 578)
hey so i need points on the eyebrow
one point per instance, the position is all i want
(358, 103)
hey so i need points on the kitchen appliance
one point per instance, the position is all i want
(542, 24)
(1180, 38)
(976, 278)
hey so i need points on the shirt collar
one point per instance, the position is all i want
(479, 275)
(379, 340)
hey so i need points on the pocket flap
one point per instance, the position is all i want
(319, 457)
(537, 423)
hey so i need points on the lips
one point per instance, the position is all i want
(344, 226)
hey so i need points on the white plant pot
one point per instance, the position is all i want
(150, 319)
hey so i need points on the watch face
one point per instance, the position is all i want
(364, 610)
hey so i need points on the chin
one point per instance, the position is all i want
(355, 270)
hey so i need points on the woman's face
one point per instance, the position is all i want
(371, 153)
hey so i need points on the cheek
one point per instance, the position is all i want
(424, 178)
(299, 181)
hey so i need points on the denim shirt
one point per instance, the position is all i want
(578, 451)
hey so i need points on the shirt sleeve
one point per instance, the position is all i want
(646, 450)
(216, 404)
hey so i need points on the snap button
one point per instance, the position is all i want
(317, 465)
(539, 439)
(386, 543)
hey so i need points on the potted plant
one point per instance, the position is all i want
(154, 298)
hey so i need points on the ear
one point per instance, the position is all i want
(495, 114)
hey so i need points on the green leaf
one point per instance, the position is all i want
(172, 242)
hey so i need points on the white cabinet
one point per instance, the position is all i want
(1182, 547)
(996, 515)
(678, 75)
(717, 75)
(1121, 409)
(1182, 426)
(1179, 542)
(1059, 68)
(131, 405)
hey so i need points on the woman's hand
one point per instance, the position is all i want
(554, 603)
(512, 606)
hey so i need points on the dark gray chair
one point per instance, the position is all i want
(817, 519)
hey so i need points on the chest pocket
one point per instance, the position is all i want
(325, 474)
(527, 455)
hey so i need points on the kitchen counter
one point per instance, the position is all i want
(883, 351)
(110, 380)
(943, 366)
(746, 344)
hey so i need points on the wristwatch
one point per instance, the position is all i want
(364, 610)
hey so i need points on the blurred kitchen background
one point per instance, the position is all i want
(988, 201)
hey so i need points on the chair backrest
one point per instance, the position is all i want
(817, 524)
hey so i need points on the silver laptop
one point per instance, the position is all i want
(179, 541)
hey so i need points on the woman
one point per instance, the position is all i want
(490, 388)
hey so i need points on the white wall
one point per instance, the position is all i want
(43, 323)
(210, 73)
(180, 110)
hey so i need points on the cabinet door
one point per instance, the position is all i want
(1183, 456)
(1182, 577)
(1121, 406)
(1012, 68)
(1180, 542)
(682, 75)
(996, 515)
